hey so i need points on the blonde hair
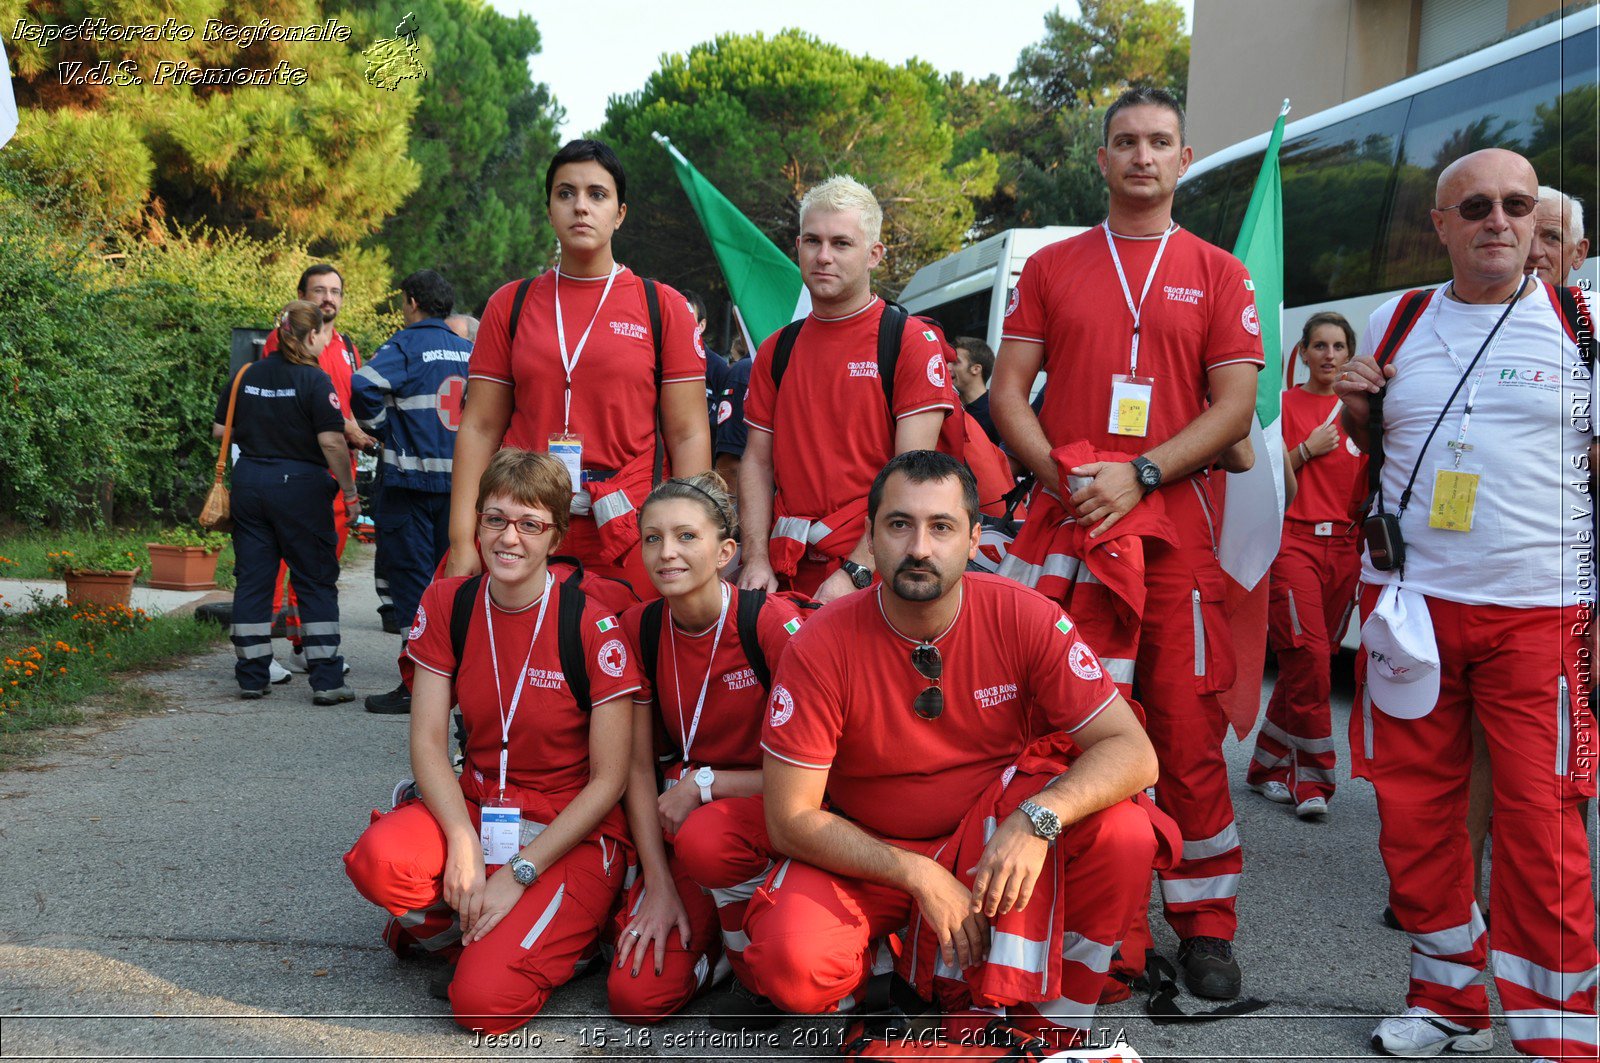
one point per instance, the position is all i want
(531, 479)
(299, 321)
(841, 193)
(708, 490)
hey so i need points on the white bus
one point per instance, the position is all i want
(1358, 178)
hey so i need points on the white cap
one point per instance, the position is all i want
(1402, 656)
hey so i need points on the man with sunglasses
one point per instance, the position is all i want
(1487, 591)
(892, 714)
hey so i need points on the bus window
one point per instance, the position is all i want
(1200, 203)
(967, 315)
(1335, 182)
(1503, 106)
(1562, 147)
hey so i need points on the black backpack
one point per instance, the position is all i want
(891, 329)
(569, 632)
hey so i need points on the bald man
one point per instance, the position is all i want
(1486, 615)
(1559, 246)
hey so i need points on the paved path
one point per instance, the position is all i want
(173, 888)
(16, 596)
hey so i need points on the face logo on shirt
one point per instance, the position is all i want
(613, 658)
(1083, 662)
(724, 411)
(1013, 301)
(782, 705)
(936, 370)
(333, 400)
(419, 625)
(1251, 323)
(449, 399)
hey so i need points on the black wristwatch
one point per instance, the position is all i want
(860, 575)
(1148, 472)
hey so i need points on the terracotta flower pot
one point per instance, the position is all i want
(101, 588)
(183, 568)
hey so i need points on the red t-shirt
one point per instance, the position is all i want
(1329, 486)
(1014, 669)
(614, 395)
(550, 733)
(1199, 314)
(338, 359)
(729, 735)
(830, 425)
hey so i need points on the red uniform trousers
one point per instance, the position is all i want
(505, 979)
(649, 997)
(583, 542)
(1312, 593)
(283, 596)
(724, 848)
(1519, 671)
(1185, 661)
(814, 935)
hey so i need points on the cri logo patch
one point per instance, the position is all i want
(613, 658)
(782, 705)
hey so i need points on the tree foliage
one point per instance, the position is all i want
(765, 118)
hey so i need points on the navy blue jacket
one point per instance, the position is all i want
(410, 395)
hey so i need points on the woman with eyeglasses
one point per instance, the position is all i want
(579, 363)
(696, 745)
(511, 870)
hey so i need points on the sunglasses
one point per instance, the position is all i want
(929, 704)
(1477, 208)
(528, 526)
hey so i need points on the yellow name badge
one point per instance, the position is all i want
(1455, 496)
(1130, 405)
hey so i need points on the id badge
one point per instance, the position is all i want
(1130, 405)
(500, 831)
(567, 447)
(1455, 496)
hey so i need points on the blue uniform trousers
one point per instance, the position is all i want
(414, 528)
(380, 560)
(283, 512)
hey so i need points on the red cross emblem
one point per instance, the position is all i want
(452, 396)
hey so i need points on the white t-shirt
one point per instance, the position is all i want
(1531, 539)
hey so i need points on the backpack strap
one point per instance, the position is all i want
(891, 331)
(650, 621)
(1405, 319)
(785, 348)
(750, 604)
(1576, 319)
(569, 638)
(652, 304)
(461, 620)
(516, 311)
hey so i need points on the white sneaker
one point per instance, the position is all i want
(1420, 1032)
(1273, 790)
(1312, 808)
(297, 661)
(277, 673)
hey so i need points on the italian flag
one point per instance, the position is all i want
(1064, 626)
(792, 626)
(606, 624)
(762, 279)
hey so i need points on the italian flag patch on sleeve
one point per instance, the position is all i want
(606, 624)
(792, 626)
(1064, 626)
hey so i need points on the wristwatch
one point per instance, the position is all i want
(703, 779)
(1046, 824)
(523, 870)
(860, 575)
(1149, 473)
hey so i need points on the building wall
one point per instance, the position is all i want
(1246, 56)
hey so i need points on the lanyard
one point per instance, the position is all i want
(1459, 445)
(569, 362)
(494, 659)
(694, 727)
(1127, 295)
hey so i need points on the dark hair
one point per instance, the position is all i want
(1328, 317)
(1146, 96)
(921, 467)
(587, 151)
(696, 304)
(708, 490)
(430, 291)
(978, 353)
(316, 271)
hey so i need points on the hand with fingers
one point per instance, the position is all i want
(1322, 440)
(947, 907)
(464, 874)
(660, 912)
(490, 905)
(1009, 868)
(1358, 381)
(674, 806)
(1114, 492)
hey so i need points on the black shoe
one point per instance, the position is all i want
(735, 1008)
(1209, 969)
(1388, 918)
(391, 626)
(396, 702)
(332, 696)
(252, 695)
(439, 982)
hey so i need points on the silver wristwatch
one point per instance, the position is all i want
(1046, 824)
(522, 870)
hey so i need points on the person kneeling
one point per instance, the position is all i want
(923, 707)
(513, 869)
